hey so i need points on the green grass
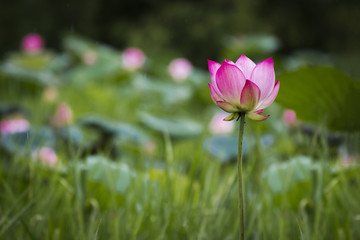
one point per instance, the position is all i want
(180, 191)
(192, 197)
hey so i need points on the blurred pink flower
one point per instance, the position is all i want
(348, 160)
(289, 118)
(50, 94)
(46, 155)
(63, 116)
(90, 57)
(219, 126)
(133, 58)
(32, 43)
(12, 126)
(180, 69)
(150, 147)
(243, 87)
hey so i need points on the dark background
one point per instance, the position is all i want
(193, 29)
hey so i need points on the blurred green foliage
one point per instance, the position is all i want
(193, 29)
(139, 161)
(322, 94)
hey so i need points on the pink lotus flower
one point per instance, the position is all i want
(243, 87)
(32, 43)
(46, 155)
(63, 116)
(219, 126)
(289, 118)
(133, 58)
(180, 69)
(14, 126)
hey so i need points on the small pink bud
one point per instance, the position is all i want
(219, 126)
(289, 118)
(63, 116)
(32, 43)
(180, 69)
(90, 57)
(150, 147)
(348, 160)
(46, 156)
(50, 94)
(14, 126)
(133, 59)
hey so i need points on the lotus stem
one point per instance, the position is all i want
(240, 181)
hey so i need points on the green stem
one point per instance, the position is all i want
(240, 183)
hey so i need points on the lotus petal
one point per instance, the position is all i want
(229, 62)
(231, 117)
(213, 67)
(230, 82)
(257, 117)
(227, 107)
(263, 76)
(250, 95)
(246, 65)
(270, 99)
(215, 95)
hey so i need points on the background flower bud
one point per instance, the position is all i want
(132, 59)
(32, 43)
(12, 126)
(180, 69)
(63, 116)
(217, 124)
